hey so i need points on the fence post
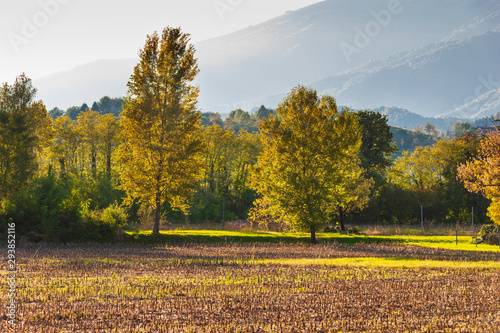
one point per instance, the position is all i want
(422, 218)
(472, 219)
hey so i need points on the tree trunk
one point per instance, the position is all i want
(341, 218)
(313, 235)
(108, 165)
(62, 163)
(156, 226)
(94, 165)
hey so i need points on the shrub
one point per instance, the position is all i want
(490, 233)
(46, 209)
(104, 225)
(115, 216)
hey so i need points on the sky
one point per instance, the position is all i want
(41, 37)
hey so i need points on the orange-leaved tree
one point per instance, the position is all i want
(482, 174)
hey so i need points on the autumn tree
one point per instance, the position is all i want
(109, 128)
(227, 159)
(160, 154)
(303, 148)
(65, 145)
(429, 177)
(88, 128)
(430, 129)
(482, 174)
(24, 131)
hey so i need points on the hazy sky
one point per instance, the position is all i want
(41, 37)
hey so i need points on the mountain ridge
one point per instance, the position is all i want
(259, 64)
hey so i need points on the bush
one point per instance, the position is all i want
(47, 209)
(105, 224)
(490, 233)
(56, 210)
(115, 216)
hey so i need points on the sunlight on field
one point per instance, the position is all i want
(374, 262)
(465, 243)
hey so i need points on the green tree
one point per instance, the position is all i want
(105, 103)
(429, 176)
(227, 160)
(352, 191)
(56, 112)
(24, 131)
(211, 118)
(377, 146)
(420, 172)
(239, 119)
(160, 153)
(72, 112)
(456, 199)
(304, 146)
(460, 128)
(96, 107)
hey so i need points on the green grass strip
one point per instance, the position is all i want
(225, 236)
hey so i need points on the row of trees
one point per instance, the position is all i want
(105, 105)
(311, 164)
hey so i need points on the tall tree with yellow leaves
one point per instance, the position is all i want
(88, 128)
(109, 128)
(161, 151)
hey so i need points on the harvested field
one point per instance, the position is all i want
(246, 288)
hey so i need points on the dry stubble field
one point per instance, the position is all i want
(254, 288)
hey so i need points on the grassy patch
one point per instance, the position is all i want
(217, 236)
(225, 236)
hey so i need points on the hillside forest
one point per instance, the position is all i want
(152, 159)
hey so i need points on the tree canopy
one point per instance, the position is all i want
(482, 173)
(24, 131)
(304, 146)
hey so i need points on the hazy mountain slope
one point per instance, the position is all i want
(486, 105)
(305, 46)
(428, 81)
(86, 83)
(258, 65)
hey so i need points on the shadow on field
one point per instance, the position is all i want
(211, 237)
